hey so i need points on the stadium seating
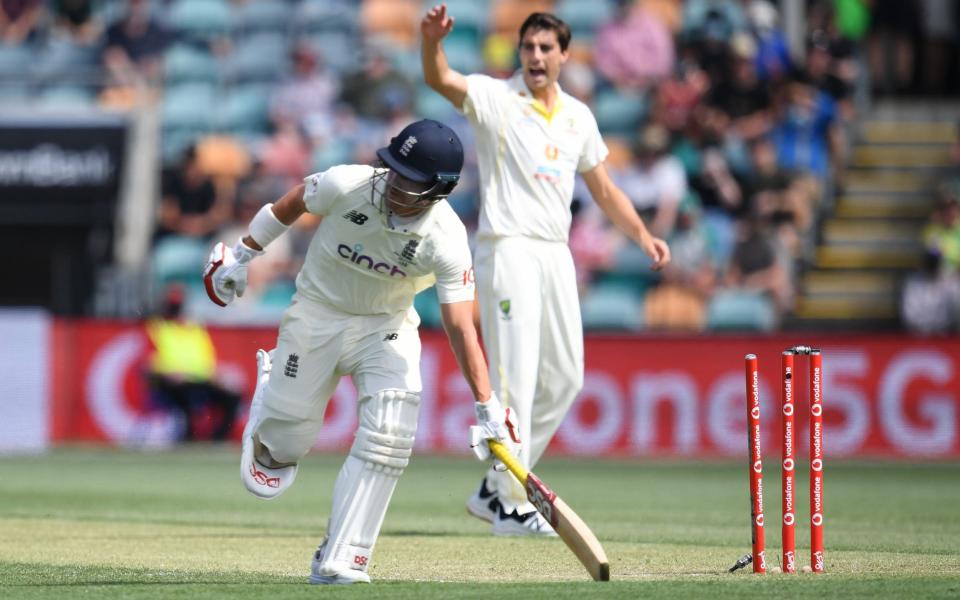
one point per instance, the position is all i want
(261, 16)
(200, 20)
(258, 58)
(584, 17)
(618, 113)
(183, 63)
(612, 307)
(740, 310)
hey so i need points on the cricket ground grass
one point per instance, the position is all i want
(177, 524)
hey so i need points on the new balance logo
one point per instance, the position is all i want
(390, 337)
(293, 363)
(357, 218)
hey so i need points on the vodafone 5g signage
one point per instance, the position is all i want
(882, 396)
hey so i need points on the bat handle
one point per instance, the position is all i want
(509, 460)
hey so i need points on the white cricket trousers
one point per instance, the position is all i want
(530, 315)
(316, 346)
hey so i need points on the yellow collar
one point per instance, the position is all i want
(521, 88)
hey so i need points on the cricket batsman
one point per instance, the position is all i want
(386, 234)
(532, 141)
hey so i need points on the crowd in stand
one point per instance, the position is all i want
(730, 145)
(930, 302)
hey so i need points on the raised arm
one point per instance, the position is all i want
(450, 84)
(618, 208)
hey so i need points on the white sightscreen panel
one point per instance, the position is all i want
(25, 370)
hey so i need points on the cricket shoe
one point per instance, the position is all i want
(344, 577)
(483, 504)
(513, 523)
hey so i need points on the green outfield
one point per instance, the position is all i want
(119, 524)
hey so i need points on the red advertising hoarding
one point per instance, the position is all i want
(883, 395)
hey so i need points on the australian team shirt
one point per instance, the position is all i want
(528, 158)
(362, 262)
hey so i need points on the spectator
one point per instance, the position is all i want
(930, 303)
(941, 235)
(758, 265)
(310, 92)
(286, 154)
(743, 100)
(371, 90)
(134, 46)
(182, 373)
(657, 183)
(807, 135)
(19, 20)
(895, 25)
(776, 194)
(773, 51)
(76, 20)
(676, 98)
(192, 204)
(635, 49)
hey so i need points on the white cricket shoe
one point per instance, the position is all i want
(515, 524)
(483, 504)
(345, 577)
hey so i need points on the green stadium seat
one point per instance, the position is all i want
(619, 113)
(463, 54)
(334, 152)
(200, 19)
(262, 16)
(245, 110)
(612, 307)
(186, 64)
(263, 58)
(189, 106)
(313, 17)
(584, 16)
(429, 103)
(740, 310)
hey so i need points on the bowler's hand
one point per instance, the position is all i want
(657, 250)
(436, 24)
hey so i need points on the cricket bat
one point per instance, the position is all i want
(568, 524)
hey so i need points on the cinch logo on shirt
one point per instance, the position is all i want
(371, 264)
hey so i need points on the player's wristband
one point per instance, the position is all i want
(266, 227)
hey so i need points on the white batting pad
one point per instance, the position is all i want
(380, 453)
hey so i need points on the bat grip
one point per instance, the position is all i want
(509, 460)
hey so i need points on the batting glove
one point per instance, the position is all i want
(225, 273)
(493, 423)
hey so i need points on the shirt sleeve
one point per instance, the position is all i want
(480, 105)
(454, 270)
(321, 191)
(594, 149)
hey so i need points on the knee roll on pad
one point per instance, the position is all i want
(388, 421)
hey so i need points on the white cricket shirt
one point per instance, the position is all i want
(360, 265)
(528, 158)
